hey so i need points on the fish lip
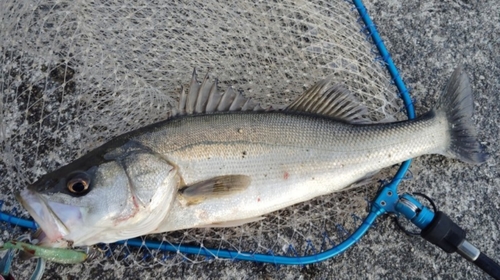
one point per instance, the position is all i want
(45, 217)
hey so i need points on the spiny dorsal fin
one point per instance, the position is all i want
(336, 102)
(206, 98)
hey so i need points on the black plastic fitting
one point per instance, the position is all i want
(443, 232)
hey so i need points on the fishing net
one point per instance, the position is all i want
(77, 73)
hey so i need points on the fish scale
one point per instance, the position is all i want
(320, 156)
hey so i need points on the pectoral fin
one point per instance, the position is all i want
(213, 188)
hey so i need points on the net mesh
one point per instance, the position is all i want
(77, 73)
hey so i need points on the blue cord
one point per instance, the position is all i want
(384, 202)
(17, 221)
(377, 40)
(265, 258)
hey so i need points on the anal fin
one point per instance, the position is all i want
(234, 223)
(213, 188)
(362, 181)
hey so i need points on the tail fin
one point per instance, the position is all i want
(456, 103)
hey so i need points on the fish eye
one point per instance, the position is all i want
(79, 183)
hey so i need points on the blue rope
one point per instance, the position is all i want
(376, 210)
(255, 257)
(17, 221)
(377, 40)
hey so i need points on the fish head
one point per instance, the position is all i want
(122, 195)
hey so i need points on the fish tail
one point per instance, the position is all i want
(457, 106)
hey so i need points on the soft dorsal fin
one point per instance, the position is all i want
(336, 102)
(207, 98)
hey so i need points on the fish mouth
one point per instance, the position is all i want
(51, 225)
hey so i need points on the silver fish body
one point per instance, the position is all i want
(223, 162)
(290, 158)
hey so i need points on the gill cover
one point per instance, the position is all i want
(127, 193)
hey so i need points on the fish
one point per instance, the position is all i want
(222, 160)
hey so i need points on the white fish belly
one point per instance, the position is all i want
(275, 183)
